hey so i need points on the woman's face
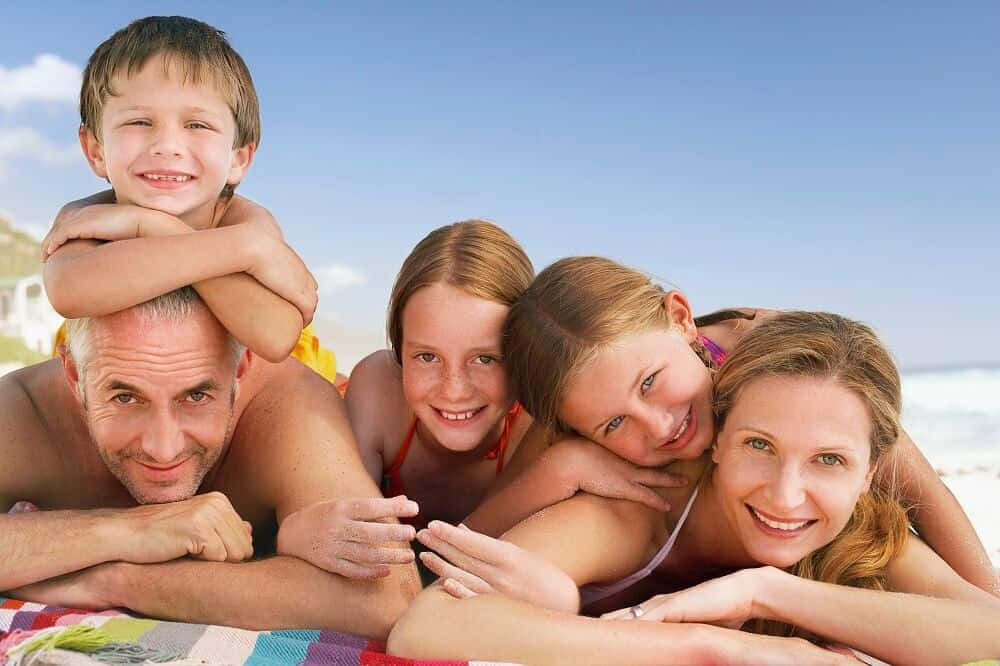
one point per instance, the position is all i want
(647, 398)
(793, 458)
(453, 374)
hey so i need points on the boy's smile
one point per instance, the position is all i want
(167, 142)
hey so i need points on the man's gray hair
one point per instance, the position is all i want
(175, 305)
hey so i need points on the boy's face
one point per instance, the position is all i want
(166, 144)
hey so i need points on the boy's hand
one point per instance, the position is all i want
(344, 536)
(107, 222)
(277, 267)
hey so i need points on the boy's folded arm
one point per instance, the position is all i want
(938, 517)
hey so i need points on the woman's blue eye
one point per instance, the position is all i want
(613, 423)
(758, 444)
(647, 383)
(831, 459)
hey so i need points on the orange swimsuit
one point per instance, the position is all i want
(392, 480)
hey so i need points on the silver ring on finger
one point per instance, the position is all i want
(636, 612)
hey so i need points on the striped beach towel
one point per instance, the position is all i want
(34, 634)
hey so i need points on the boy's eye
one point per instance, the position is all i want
(141, 122)
(758, 444)
(831, 459)
(426, 357)
(124, 398)
(197, 125)
(613, 424)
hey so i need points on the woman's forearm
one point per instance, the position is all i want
(893, 626)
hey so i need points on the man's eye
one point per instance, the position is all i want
(831, 459)
(426, 357)
(124, 398)
(197, 396)
(613, 424)
(758, 444)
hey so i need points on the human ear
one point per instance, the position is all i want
(679, 314)
(70, 371)
(240, 163)
(715, 452)
(93, 151)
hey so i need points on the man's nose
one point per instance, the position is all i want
(163, 440)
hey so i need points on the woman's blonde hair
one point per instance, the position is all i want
(475, 256)
(574, 307)
(828, 346)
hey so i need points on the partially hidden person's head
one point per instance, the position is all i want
(598, 349)
(444, 325)
(169, 115)
(157, 385)
(807, 408)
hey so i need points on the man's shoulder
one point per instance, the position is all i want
(26, 395)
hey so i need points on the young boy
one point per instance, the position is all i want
(169, 116)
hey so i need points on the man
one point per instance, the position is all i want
(163, 456)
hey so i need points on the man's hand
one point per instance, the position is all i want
(479, 564)
(204, 526)
(728, 601)
(593, 469)
(88, 589)
(344, 536)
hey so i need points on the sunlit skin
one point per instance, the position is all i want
(453, 374)
(167, 144)
(158, 400)
(646, 397)
(794, 451)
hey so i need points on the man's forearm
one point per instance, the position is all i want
(274, 593)
(39, 545)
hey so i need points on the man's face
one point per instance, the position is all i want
(167, 144)
(158, 400)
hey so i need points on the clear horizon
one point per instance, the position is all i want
(844, 159)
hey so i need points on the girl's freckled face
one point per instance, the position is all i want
(453, 372)
(647, 398)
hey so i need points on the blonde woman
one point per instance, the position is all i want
(808, 411)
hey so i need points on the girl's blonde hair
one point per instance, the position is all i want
(574, 307)
(475, 256)
(828, 346)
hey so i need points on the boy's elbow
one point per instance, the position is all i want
(59, 290)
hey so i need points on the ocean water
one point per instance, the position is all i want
(954, 416)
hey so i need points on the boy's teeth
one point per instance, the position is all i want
(156, 176)
(457, 416)
(778, 525)
(684, 426)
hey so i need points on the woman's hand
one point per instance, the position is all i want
(729, 601)
(593, 469)
(474, 563)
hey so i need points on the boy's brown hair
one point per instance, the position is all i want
(201, 52)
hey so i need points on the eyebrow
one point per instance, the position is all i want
(201, 387)
(146, 107)
(635, 382)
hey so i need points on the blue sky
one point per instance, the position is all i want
(842, 157)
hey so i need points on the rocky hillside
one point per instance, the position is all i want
(19, 252)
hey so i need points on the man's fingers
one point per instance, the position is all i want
(366, 554)
(373, 508)
(379, 532)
